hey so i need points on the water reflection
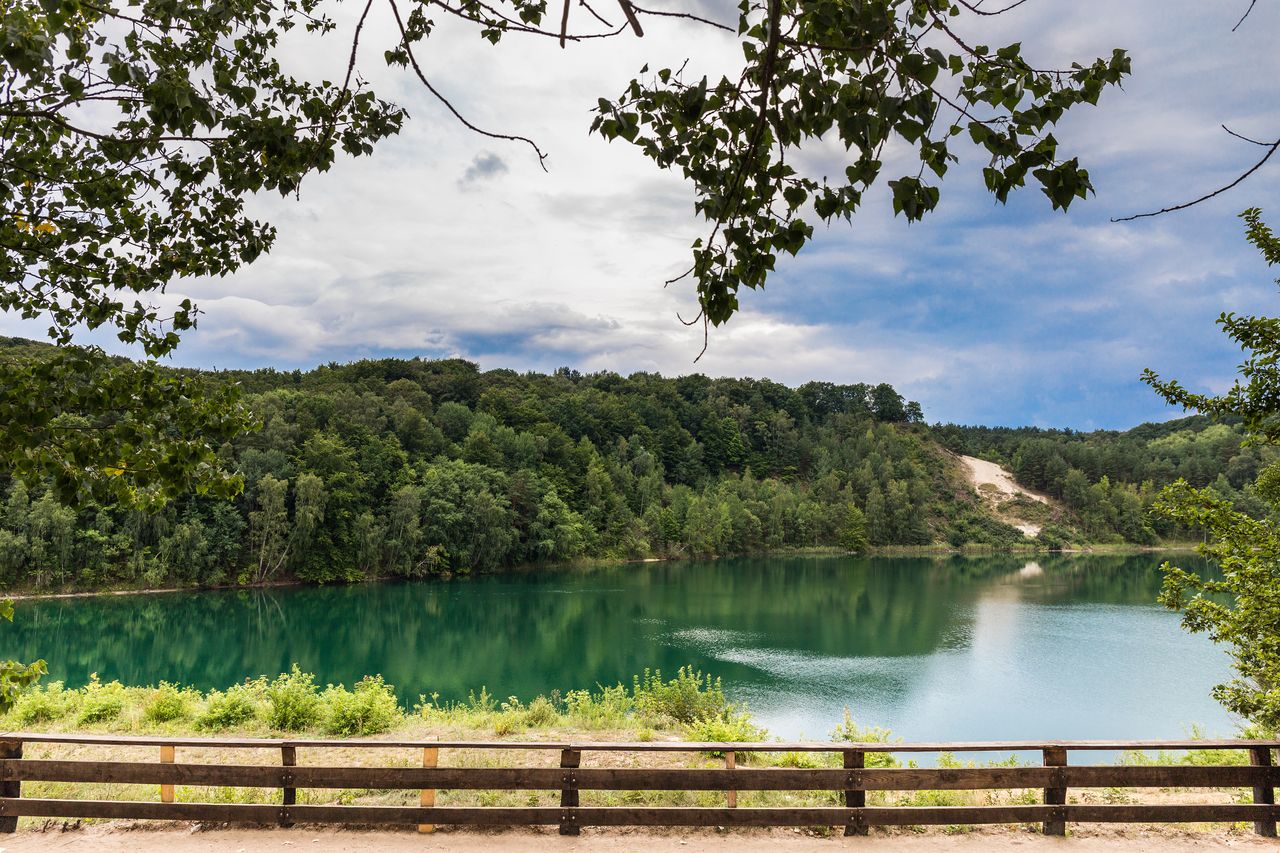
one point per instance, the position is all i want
(956, 647)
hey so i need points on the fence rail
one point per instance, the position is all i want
(1055, 777)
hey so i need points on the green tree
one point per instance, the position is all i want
(269, 528)
(15, 677)
(853, 530)
(134, 133)
(879, 524)
(1243, 609)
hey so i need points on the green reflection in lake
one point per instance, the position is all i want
(990, 647)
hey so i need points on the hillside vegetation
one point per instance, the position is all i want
(429, 467)
(1107, 480)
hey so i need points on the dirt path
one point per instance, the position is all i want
(117, 839)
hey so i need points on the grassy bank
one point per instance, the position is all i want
(689, 706)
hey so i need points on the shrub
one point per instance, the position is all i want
(44, 703)
(540, 713)
(237, 706)
(606, 709)
(484, 703)
(687, 698)
(168, 703)
(293, 703)
(1055, 537)
(368, 709)
(100, 703)
(732, 726)
(506, 723)
(849, 732)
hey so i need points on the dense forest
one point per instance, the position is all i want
(417, 467)
(413, 467)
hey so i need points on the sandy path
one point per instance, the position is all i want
(984, 473)
(110, 840)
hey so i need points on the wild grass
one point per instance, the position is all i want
(691, 706)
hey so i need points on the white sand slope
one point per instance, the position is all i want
(1000, 488)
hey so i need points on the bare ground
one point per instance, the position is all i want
(109, 838)
(997, 487)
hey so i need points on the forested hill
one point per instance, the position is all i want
(415, 467)
(1098, 474)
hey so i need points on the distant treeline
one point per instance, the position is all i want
(411, 467)
(1108, 479)
(416, 467)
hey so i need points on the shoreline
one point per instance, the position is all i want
(818, 551)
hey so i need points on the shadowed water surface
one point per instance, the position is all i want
(973, 648)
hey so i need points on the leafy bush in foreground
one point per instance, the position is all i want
(100, 702)
(293, 702)
(168, 703)
(45, 703)
(368, 709)
(230, 709)
(687, 698)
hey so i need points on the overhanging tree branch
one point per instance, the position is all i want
(1271, 149)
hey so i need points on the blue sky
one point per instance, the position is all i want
(446, 244)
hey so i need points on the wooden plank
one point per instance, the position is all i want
(256, 776)
(855, 793)
(288, 793)
(648, 746)
(220, 812)
(731, 795)
(569, 761)
(268, 743)
(446, 815)
(634, 779)
(954, 778)
(10, 750)
(976, 746)
(592, 816)
(682, 816)
(430, 758)
(1169, 814)
(1210, 776)
(225, 775)
(1055, 794)
(1264, 793)
(266, 814)
(956, 815)
(874, 816)
(166, 757)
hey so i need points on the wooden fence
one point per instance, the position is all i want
(850, 784)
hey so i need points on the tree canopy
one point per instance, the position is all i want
(135, 130)
(133, 135)
(1242, 610)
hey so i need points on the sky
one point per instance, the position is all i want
(444, 243)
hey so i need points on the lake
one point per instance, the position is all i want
(950, 648)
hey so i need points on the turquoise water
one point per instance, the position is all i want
(973, 648)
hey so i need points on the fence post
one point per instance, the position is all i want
(430, 758)
(569, 761)
(1264, 793)
(166, 757)
(855, 796)
(1056, 794)
(288, 793)
(10, 789)
(731, 795)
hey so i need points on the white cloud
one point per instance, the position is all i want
(444, 242)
